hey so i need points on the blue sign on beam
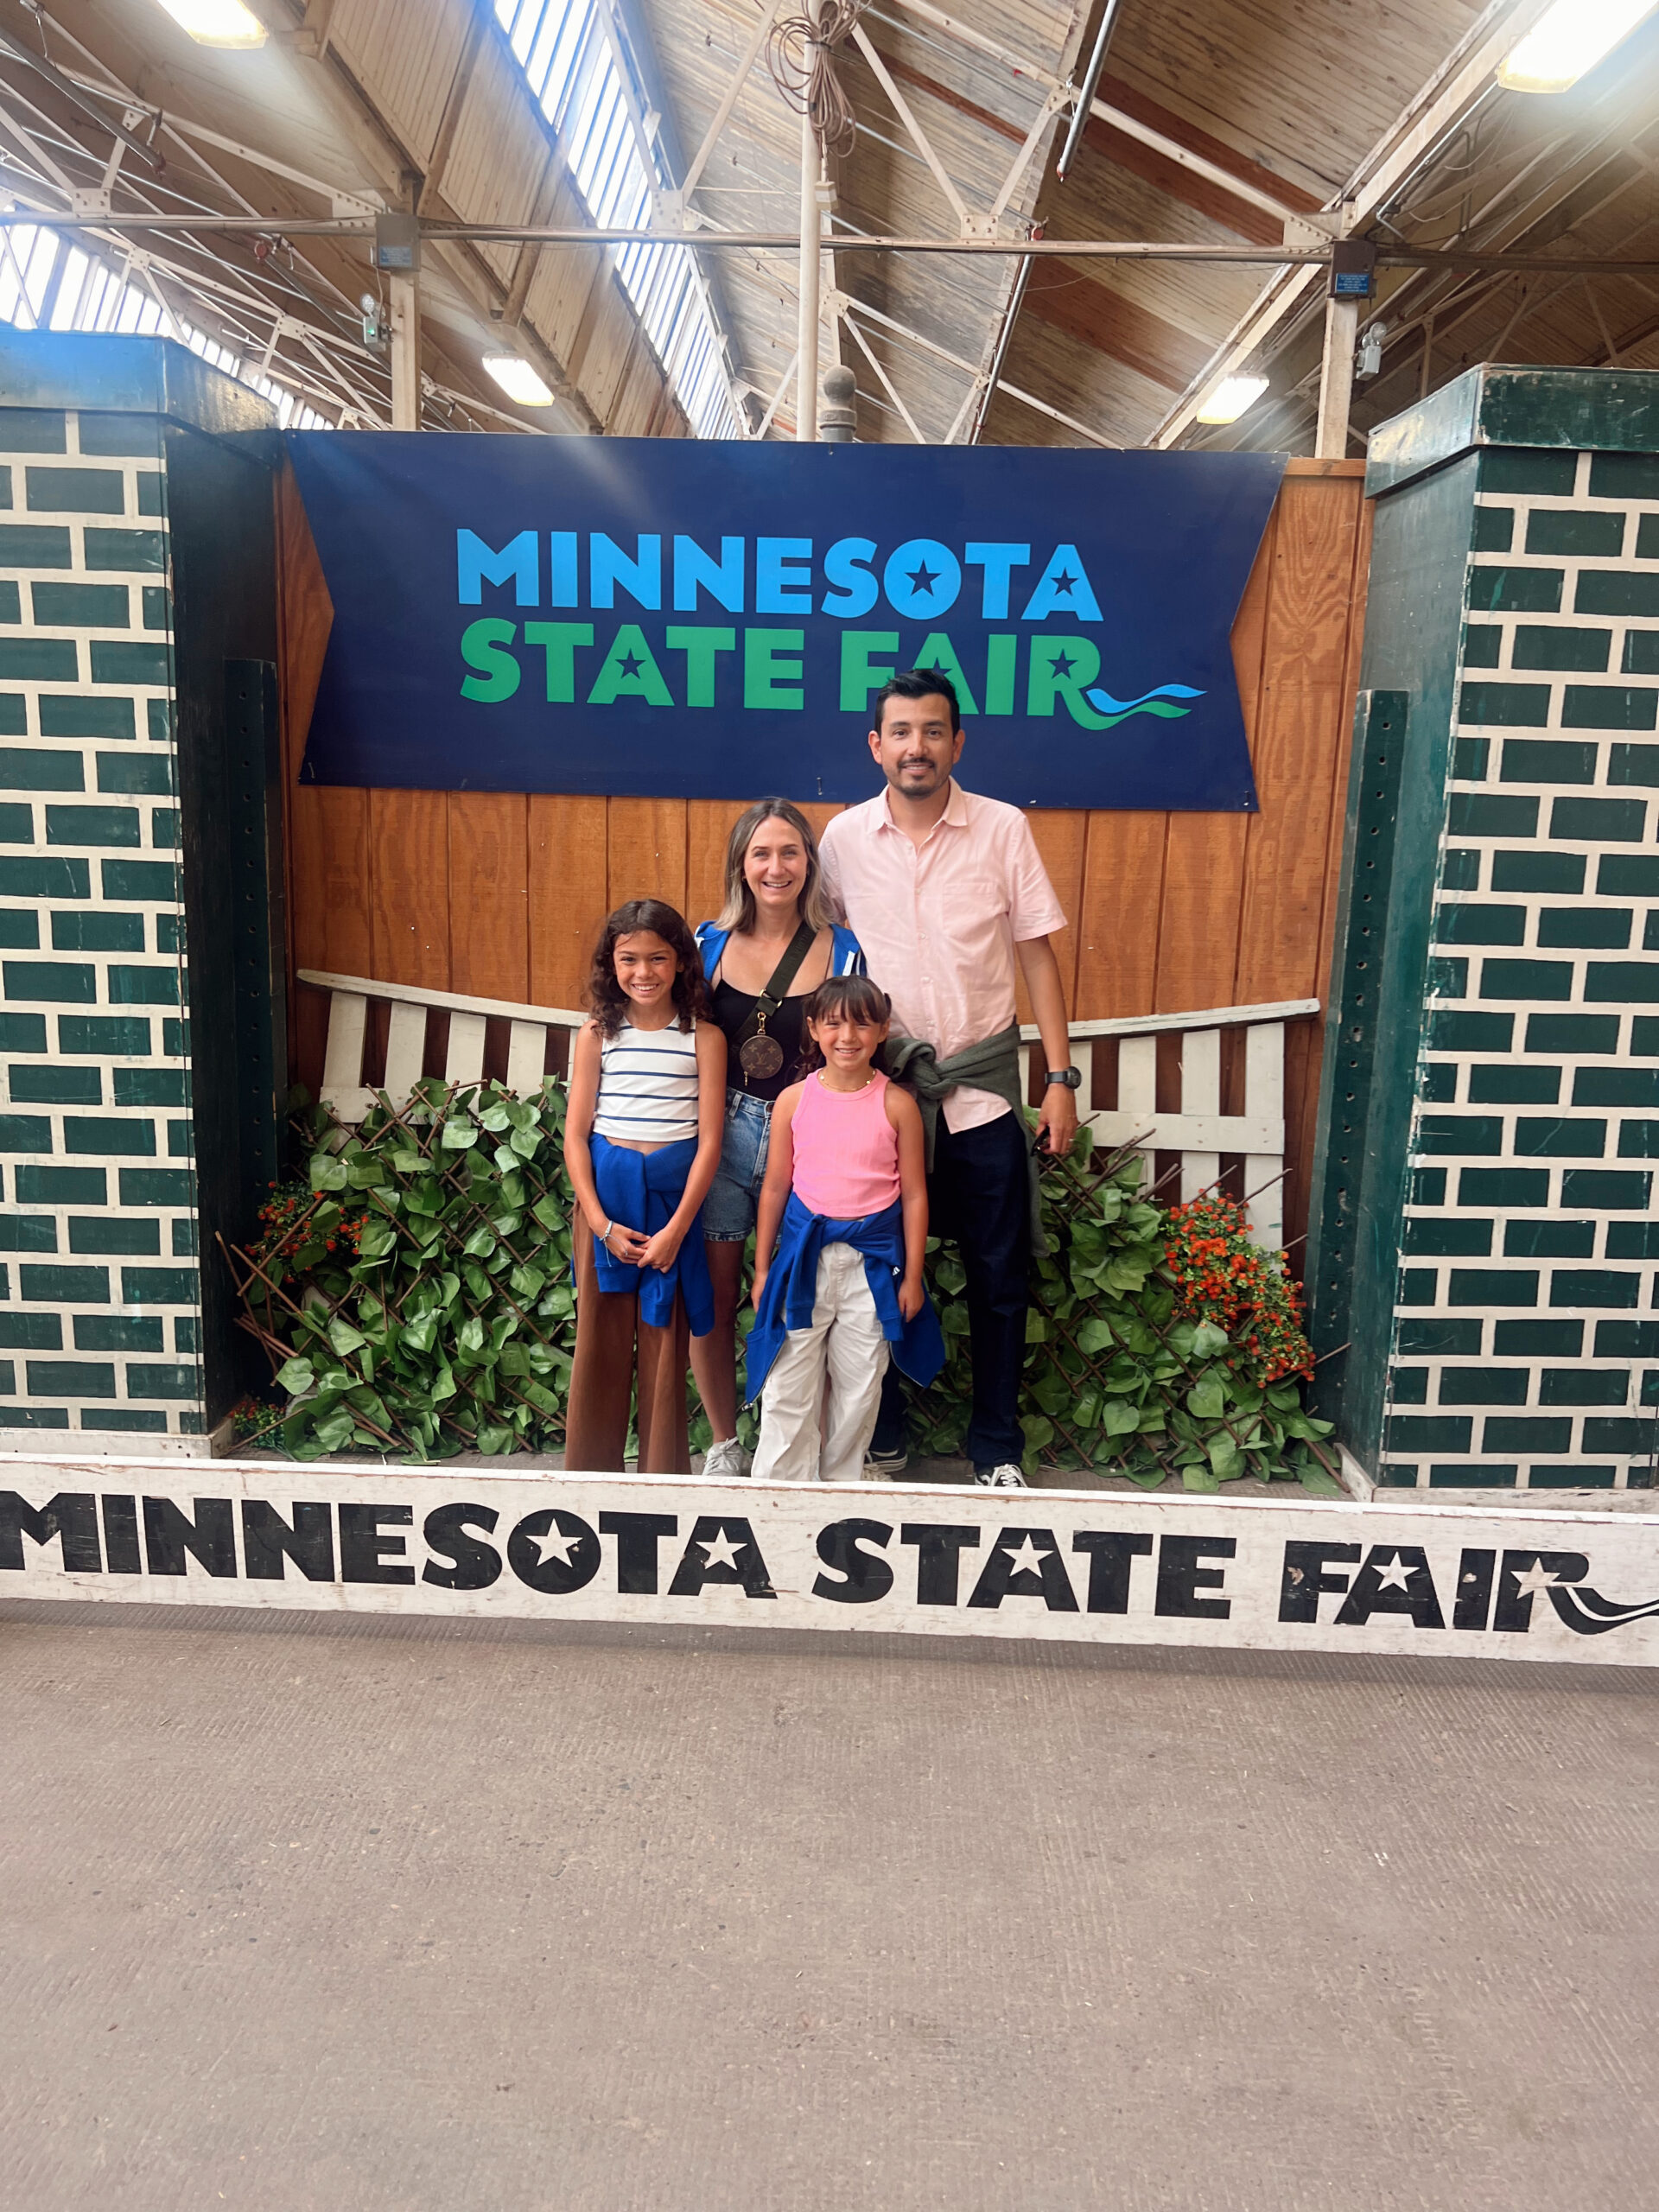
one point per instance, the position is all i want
(652, 617)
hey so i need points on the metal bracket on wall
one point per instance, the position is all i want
(1350, 1045)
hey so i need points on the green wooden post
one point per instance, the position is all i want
(1482, 1243)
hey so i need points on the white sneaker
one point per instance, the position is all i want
(1007, 1477)
(727, 1459)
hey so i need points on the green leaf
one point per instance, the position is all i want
(379, 1237)
(1120, 1417)
(496, 1439)
(525, 1143)
(1313, 1478)
(327, 1174)
(480, 1243)
(421, 1334)
(1208, 1340)
(1095, 1334)
(550, 1213)
(1225, 1461)
(1206, 1399)
(294, 1375)
(345, 1338)
(459, 1132)
(365, 1173)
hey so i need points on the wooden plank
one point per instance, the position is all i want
(568, 894)
(1305, 652)
(465, 1059)
(328, 840)
(708, 828)
(489, 878)
(342, 1073)
(1264, 1094)
(405, 1043)
(1204, 853)
(1118, 911)
(1200, 1102)
(645, 850)
(408, 857)
(1061, 836)
(526, 1056)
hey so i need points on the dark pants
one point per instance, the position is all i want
(979, 1193)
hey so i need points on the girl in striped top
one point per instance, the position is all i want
(642, 1140)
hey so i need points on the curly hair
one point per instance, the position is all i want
(854, 996)
(606, 997)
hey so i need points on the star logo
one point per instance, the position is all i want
(922, 580)
(1025, 1557)
(553, 1545)
(632, 664)
(722, 1552)
(1536, 1579)
(1062, 664)
(1062, 585)
(1394, 1576)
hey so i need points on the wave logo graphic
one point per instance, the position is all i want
(1159, 701)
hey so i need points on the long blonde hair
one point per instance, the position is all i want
(738, 912)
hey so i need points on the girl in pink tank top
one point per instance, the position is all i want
(846, 1185)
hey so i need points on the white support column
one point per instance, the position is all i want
(806, 350)
(1337, 380)
(405, 352)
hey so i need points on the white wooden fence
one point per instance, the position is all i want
(1199, 1130)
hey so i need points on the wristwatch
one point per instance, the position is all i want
(1072, 1078)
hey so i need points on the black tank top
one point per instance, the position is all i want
(732, 1011)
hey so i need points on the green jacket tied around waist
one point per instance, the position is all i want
(993, 1065)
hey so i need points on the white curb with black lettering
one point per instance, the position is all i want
(1300, 1575)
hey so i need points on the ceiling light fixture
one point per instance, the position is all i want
(519, 380)
(1230, 397)
(218, 22)
(1569, 38)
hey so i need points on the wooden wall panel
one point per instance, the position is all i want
(489, 925)
(568, 895)
(503, 895)
(408, 896)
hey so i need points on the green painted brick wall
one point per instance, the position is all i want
(1527, 1241)
(105, 1317)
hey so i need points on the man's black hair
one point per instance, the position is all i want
(918, 684)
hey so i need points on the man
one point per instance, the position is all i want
(946, 893)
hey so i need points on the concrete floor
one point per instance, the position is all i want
(312, 1912)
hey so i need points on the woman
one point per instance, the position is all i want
(774, 944)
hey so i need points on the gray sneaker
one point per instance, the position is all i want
(728, 1460)
(882, 1466)
(1007, 1477)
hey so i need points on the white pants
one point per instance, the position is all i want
(845, 1345)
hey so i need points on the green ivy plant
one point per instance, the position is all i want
(413, 1293)
(1114, 1380)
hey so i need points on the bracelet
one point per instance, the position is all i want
(605, 1233)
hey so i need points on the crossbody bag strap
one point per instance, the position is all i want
(784, 974)
(758, 1054)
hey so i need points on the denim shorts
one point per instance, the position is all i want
(729, 1209)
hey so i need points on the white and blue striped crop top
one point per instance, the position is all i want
(647, 1085)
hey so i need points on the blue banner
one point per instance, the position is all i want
(658, 617)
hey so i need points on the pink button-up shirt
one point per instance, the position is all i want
(938, 921)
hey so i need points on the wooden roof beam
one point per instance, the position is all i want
(1459, 85)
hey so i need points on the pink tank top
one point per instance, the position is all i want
(846, 1150)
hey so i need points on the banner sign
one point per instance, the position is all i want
(1096, 1567)
(660, 617)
